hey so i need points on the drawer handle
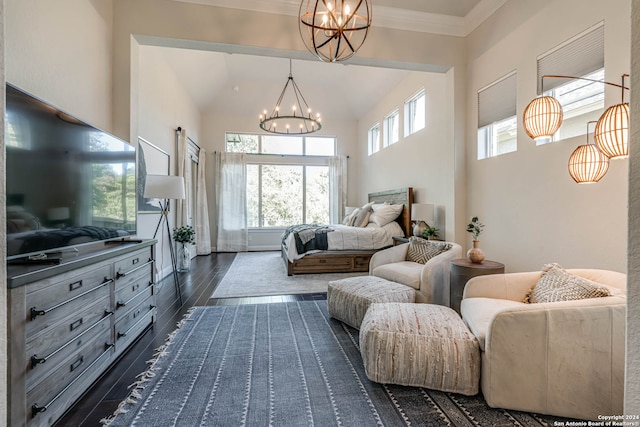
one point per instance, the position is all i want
(76, 324)
(119, 275)
(322, 261)
(120, 304)
(108, 313)
(121, 334)
(35, 312)
(77, 363)
(35, 360)
(75, 285)
(36, 409)
(151, 307)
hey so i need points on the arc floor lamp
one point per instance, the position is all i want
(166, 188)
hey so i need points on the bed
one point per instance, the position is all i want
(350, 257)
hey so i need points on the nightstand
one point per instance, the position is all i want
(400, 240)
(462, 270)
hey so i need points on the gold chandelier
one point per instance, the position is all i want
(299, 122)
(334, 30)
(543, 117)
(587, 164)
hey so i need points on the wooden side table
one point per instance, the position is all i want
(399, 240)
(462, 270)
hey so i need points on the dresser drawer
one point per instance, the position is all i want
(133, 262)
(60, 385)
(42, 362)
(41, 318)
(124, 306)
(134, 322)
(127, 287)
(82, 322)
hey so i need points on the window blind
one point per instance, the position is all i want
(579, 56)
(497, 101)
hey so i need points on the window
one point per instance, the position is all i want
(287, 178)
(581, 100)
(374, 139)
(414, 114)
(391, 128)
(497, 121)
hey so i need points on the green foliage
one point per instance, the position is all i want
(184, 234)
(475, 227)
(430, 232)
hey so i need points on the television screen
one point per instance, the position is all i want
(67, 183)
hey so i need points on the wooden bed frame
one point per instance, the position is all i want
(353, 261)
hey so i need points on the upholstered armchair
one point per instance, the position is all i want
(563, 358)
(429, 280)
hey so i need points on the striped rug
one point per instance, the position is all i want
(285, 364)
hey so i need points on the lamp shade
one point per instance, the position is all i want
(542, 117)
(422, 212)
(587, 164)
(612, 132)
(164, 187)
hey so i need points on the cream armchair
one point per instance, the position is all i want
(429, 280)
(561, 358)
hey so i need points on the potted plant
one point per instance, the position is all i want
(184, 235)
(475, 227)
(430, 233)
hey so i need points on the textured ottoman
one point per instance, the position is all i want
(421, 345)
(348, 299)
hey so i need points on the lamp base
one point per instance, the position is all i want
(418, 228)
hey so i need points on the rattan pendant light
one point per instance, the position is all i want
(334, 30)
(587, 165)
(542, 117)
(612, 130)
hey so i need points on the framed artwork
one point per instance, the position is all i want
(151, 160)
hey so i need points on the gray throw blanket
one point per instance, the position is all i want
(308, 237)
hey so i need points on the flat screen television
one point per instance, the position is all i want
(67, 182)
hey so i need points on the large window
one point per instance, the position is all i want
(373, 139)
(391, 128)
(414, 113)
(287, 178)
(497, 122)
(581, 100)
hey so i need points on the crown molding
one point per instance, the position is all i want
(383, 16)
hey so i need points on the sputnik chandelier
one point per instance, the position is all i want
(543, 117)
(299, 122)
(334, 30)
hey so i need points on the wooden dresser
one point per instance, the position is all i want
(69, 322)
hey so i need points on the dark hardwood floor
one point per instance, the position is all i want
(197, 286)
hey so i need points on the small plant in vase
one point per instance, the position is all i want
(184, 235)
(475, 227)
(430, 233)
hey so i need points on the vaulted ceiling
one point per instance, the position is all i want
(238, 84)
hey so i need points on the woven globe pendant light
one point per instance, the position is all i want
(334, 30)
(612, 132)
(543, 117)
(587, 165)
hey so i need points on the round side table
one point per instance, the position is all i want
(462, 270)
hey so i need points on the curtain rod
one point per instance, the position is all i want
(281, 155)
(178, 129)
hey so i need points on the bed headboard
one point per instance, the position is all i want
(401, 196)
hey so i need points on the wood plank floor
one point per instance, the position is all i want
(197, 286)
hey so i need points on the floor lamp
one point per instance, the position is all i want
(165, 188)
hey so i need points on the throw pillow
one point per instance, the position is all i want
(421, 250)
(384, 214)
(557, 284)
(362, 218)
(348, 220)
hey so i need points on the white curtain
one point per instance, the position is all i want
(231, 193)
(203, 234)
(337, 188)
(184, 170)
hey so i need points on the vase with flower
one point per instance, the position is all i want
(183, 236)
(475, 254)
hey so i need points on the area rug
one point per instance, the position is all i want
(285, 364)
(255, 274)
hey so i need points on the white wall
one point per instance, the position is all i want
(632, 375)
(163, 106)
(47, 57)
(424, 160)
(533, 211)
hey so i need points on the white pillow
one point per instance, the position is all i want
(393, 229)
(384, 214)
